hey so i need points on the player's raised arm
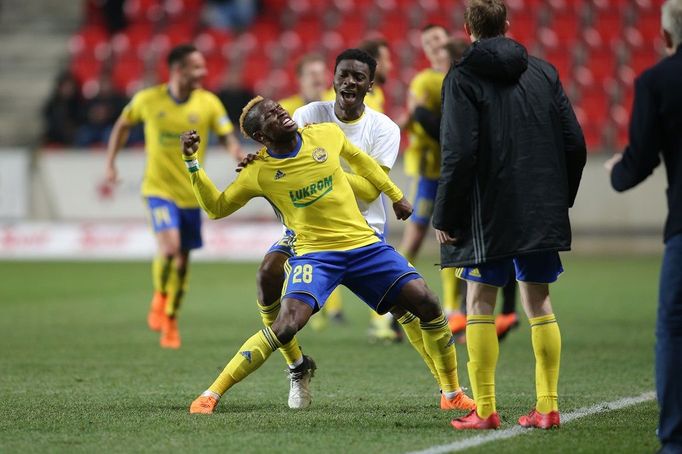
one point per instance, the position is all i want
(215, 203)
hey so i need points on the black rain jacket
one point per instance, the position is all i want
(512, 156)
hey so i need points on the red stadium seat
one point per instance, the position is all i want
(562, 61)
(127, 72)
(85, 68)
(143, 11)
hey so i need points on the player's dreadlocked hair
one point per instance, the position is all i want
(247, 120)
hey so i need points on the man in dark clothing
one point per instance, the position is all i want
(655, 131)
(512, 158)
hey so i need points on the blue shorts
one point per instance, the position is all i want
(375, 273)
(538, 268)
(284, 244)
(167, 215)
(424, 197)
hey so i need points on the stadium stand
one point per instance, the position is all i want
(598, 46)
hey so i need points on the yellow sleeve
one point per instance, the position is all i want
(220, 123)
(221, 204)
(362, 188)
(364, 166)
(133, 112)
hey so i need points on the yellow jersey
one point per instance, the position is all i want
(292, 103)
(422, 156)
(164, 120)
(374, 99)
(308, 189)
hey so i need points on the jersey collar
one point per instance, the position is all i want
(176, 100)
(292, 153)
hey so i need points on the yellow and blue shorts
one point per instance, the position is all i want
(423, 200)
(165, 215)
(375, 273)
(536, 268)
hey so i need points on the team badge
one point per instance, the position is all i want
(193, 118)
(279, 174)
(320, 154)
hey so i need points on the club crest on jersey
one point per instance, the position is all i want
(279, 174)
(320, 154)
(193, 118)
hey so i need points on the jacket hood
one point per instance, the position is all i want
(500, 59)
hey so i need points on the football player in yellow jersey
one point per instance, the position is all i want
(422, 161)
(313, 77)
(300, 173)
(166, 110)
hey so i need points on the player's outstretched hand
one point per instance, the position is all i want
(246, 160)
(402, 209)
(190, 142)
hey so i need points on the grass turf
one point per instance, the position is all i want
(80, 371)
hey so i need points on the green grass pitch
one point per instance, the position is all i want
(80, 372)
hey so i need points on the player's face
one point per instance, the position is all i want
(433, 40)
(384, 65)
(351, 83)
(314, 79)
(193, 70)
(276, 124)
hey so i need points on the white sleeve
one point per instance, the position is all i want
(386, 143)
(301, 117)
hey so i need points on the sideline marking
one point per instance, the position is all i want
(518, 430)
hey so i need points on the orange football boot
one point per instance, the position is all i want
(157, 311)
(540, 420)
(170, 335)
(203, 405)
(505, 323)
(473, 421)
(460, 402)
(457, 322)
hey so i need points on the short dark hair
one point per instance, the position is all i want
(359, 55)
(486, 18)
(372, 46)
(248, 120)
(178, 53)
(307, 59)
(456, 48)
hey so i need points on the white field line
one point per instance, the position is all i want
(518, 430)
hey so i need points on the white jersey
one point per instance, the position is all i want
(374, 133)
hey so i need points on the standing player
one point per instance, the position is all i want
(513, 155)
(313, 77)
(167, 110)
(300, 173)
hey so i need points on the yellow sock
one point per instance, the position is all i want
(334, 303)
(483, 351)
(451, 300)
(251, 355)
(440, 346)
(176, 288)
(546, 340)
(410, 325)
(291, 350)
(160, 270)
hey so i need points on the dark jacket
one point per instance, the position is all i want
(655, 129)
(512, 156)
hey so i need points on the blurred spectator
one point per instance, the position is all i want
(111, 12)
(231, 14)
(99, 113)
(61, 111)
(234, 95)
(313, 78)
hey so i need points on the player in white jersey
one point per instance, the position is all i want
(380, 137)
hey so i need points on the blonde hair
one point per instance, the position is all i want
(245, 111)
